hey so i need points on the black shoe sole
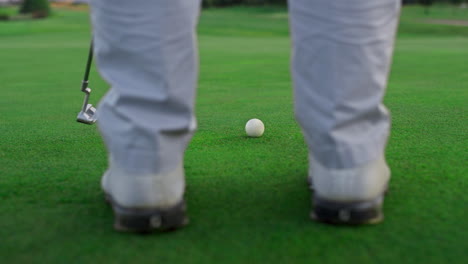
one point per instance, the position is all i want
(148, 220)
(352, 213)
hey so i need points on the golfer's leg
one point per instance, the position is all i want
(341, 58)
(146, 50)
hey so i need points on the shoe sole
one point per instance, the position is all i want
(138, 220)
(352, 213)
(360, 213)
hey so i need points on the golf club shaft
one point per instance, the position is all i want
(84, 84)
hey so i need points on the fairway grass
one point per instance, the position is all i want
(247, 198)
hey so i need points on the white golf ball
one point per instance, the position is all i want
(254, 128)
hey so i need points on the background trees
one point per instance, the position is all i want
(38, 8)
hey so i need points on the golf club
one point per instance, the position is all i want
(87, 113)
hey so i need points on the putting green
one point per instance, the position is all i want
(247, 197)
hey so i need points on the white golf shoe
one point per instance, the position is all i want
(147, 202)
(349, 196)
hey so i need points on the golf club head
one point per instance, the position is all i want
(88, 116)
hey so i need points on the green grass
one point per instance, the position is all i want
(247, 197)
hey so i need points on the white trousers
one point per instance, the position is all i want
(341, 58)
(147, 51)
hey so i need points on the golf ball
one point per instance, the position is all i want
(254, 128)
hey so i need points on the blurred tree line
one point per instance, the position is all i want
(41, 8)
(37, 8)
(209, 3)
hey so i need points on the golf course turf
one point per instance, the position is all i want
(247, 197)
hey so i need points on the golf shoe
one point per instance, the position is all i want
(144, 203)
(349, 196)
